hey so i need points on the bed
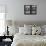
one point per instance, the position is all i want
(29, 40)
(20, 39)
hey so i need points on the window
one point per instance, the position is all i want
(2, 19)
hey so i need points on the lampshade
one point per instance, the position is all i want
(9, 22)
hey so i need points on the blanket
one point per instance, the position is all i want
(29, 40)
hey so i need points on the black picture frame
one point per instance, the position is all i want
(30, 9)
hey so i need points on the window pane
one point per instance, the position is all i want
(2, 23)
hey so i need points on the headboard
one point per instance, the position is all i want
(21, 23)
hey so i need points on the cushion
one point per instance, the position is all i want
(13, 30)
(28, 26)
(44, 26)
(21, 30)
(44, 29)
(36, 30)
(24, 30)
(28, 31)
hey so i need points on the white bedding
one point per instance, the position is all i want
(29, 40)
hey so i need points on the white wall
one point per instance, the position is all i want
(41, 10)
(15, 9)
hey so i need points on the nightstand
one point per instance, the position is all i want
(5, 42)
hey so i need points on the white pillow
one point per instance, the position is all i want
(36, 30)
(24, 30)
(13, 30)
(28, 26)
(44, 26)
(28, 31)
(42, 30)
(21, 30)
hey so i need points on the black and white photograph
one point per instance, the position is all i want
(30, 9)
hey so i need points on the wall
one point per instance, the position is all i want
(15, 9)
(41, 11)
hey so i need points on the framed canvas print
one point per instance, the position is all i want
(30, 9)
